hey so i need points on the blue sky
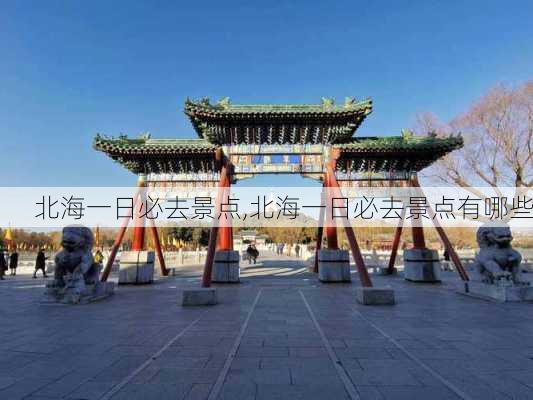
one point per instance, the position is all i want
(71, 69)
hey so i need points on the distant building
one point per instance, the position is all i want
(245, 237)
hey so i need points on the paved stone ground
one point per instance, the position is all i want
(280, 334)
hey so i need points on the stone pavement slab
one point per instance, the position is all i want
(433, 344)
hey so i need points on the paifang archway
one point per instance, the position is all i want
(314, 140)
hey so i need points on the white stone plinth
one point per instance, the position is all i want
(334, 265)
(199, 297)
(136, 267)
(375, 296)
(226, 267)
(496, 292)
(421, 265)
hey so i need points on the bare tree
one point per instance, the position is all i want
(498, 141)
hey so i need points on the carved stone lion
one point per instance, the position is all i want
(497, 261)
(76, 257)
(76, 275)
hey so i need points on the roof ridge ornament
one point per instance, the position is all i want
(328, 102)
(349, 102)
(224, 102)
(407, 134)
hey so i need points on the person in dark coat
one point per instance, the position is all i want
(13, 262)
(40, 263)
(3, 264)
(252, 253)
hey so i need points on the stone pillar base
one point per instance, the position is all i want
(334, 265)
(199, 297)
(375, 296)
(136, 267)
(226, 267)
(421, 265)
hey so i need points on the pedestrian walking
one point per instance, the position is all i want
(253, 253)
(13, 262)
(446, 255)
(40, 263)
(297, 250)
(3, 264)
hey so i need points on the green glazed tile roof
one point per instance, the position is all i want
(395, 153)
(326, 107)
(145, 155)
(226, 123)
(419, 144)
(124, 145)
(400, 153)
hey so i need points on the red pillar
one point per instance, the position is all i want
(213, 234)
(418, 237)
(114, 250)
(416, 226)
(157, 245)
(348, 229)
(225, 234)
(331, 229)
(320, 228)
(139, 220)
(447, 244)
(122, 231)
(396, 244)
(119, 238)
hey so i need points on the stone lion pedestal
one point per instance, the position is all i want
(77, 292)
(421, 265)
(334, 265)
(496, 271)
(136, 267)
(226, 267)
(76, 274)
(501, 292)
